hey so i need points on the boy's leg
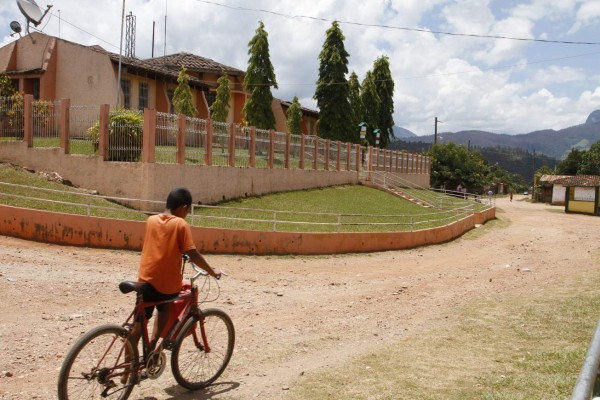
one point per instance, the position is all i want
(162, 316)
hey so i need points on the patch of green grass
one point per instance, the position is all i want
(355, 208)
(499, 348)
(79, 202)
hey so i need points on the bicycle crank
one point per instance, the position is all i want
(157, 361)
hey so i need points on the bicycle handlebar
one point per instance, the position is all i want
(199, 271)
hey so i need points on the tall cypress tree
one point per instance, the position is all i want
(260, 76)
(294, 117)
(332, 87)
(371, 104)
(182, 98)
(385, 89)
(220, 108)
(356, 107)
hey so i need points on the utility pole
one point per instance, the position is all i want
(436, 135)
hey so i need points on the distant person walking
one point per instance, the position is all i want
(510, 195)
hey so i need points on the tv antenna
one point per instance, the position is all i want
(32, 13)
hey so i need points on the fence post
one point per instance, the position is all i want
(302, 144)
(103, 121)
(327, 144)
(149, 135)
(316, 153)
(209, 142)
(271, 147)
(288, 138)
(253, 146)
(181, 129)
(348, 155)
(28, 119)
(231, 145)
(358, 157)
(65, 106)
(339, 154)
(370, 166)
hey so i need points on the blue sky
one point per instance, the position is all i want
(498, 85)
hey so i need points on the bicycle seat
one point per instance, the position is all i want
(130, 286)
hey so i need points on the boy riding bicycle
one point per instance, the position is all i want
(167, 237)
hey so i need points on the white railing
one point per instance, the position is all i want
(268, 220)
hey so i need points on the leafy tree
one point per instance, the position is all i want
(220, 108)
(356, 107)
(260, 76)
(370, 102)
(454, 165)
(294, 117)
(332, 87)
(182, 98)
(590, 163)
(385, 89)
(6, 87)
(571, 164)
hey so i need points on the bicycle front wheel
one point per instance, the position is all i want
(101, 364)
(194, 365)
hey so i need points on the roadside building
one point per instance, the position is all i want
(582, 194)
(551, 191)
(51, 68)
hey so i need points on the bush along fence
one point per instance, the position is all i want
(153, 137)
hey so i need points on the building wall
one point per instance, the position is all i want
(558, 194)
(586, 207)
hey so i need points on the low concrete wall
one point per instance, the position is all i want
(106, 233)
(150, 181)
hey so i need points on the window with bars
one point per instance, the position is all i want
(211, 97)
(126, 88)
(143, 96)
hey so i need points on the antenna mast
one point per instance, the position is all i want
(130, 36)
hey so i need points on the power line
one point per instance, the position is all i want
(239, 8)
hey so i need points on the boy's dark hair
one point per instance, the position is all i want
(179, 197)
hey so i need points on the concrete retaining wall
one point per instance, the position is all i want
(150, 181)
(106, 233)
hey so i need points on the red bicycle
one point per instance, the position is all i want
(105, 362)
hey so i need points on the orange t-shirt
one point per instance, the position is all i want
(167, 238)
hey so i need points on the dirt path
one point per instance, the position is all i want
(292, 314)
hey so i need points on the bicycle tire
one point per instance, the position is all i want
(83, 359)
(193, 367)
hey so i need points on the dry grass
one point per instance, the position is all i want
(502, 347)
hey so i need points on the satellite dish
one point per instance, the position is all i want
(16, 28)
(32, 12)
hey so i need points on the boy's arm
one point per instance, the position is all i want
(197, 259)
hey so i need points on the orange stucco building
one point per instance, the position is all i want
(51, 68)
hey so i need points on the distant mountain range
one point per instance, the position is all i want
(556, 144)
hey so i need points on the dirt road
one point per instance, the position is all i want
(292, 314)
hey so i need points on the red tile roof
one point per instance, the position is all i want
(580, 180)
(193, 63)
(552, 178)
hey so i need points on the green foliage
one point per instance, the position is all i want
(371, 105)
(454, 165)
(126, 129)
(6, 87)
(356, 107)
(259, 78)
(590, 163)
(384, 85)
(332, 88)
(571, 164)
(294, 117)
(220, 108)
(182, 98)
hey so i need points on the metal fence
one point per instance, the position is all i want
(165, 142)
(83, 129)
(11, 118)
(46, 123)
(125, 131)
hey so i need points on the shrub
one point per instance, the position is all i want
(125, 130)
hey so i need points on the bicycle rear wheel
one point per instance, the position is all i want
(95, 367)
(195, 367)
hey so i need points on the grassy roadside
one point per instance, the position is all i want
(505, 346)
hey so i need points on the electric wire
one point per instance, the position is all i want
(478, 36)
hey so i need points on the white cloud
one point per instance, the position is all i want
(588, 13)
